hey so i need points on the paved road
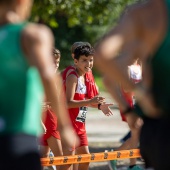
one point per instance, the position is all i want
(104, 129)
(104, 133)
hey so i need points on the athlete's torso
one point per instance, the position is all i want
(92, 89)
(78, 115)
(20, 85)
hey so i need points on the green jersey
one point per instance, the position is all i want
(160, 67)
(21, 89)
(161, 70)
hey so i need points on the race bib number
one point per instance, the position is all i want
(82, 114)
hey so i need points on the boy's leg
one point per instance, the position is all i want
(83, 150)
(56, 147)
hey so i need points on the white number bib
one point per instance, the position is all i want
(81, 117)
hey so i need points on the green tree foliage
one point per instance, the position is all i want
(77, 20)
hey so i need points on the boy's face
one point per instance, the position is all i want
(84, 63)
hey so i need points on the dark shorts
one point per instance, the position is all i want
(19, 152)
(155, 143)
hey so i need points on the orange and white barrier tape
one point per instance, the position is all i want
(92, 157)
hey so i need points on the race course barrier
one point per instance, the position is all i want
(92, 157)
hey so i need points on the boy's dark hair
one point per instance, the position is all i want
(56, 53)
(78, 44)
(83, 50)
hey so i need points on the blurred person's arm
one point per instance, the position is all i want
(132, 38)
(37, 43)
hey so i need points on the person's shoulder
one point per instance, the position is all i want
(138, 7)
(72, 77)
(71, 72)
(36, 32)
(135, 10)
(131, 18)
(140, 18)
(66, 71)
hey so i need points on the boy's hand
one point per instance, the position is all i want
(105, 108)
(97, 100)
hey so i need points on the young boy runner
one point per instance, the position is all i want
(78, 100)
